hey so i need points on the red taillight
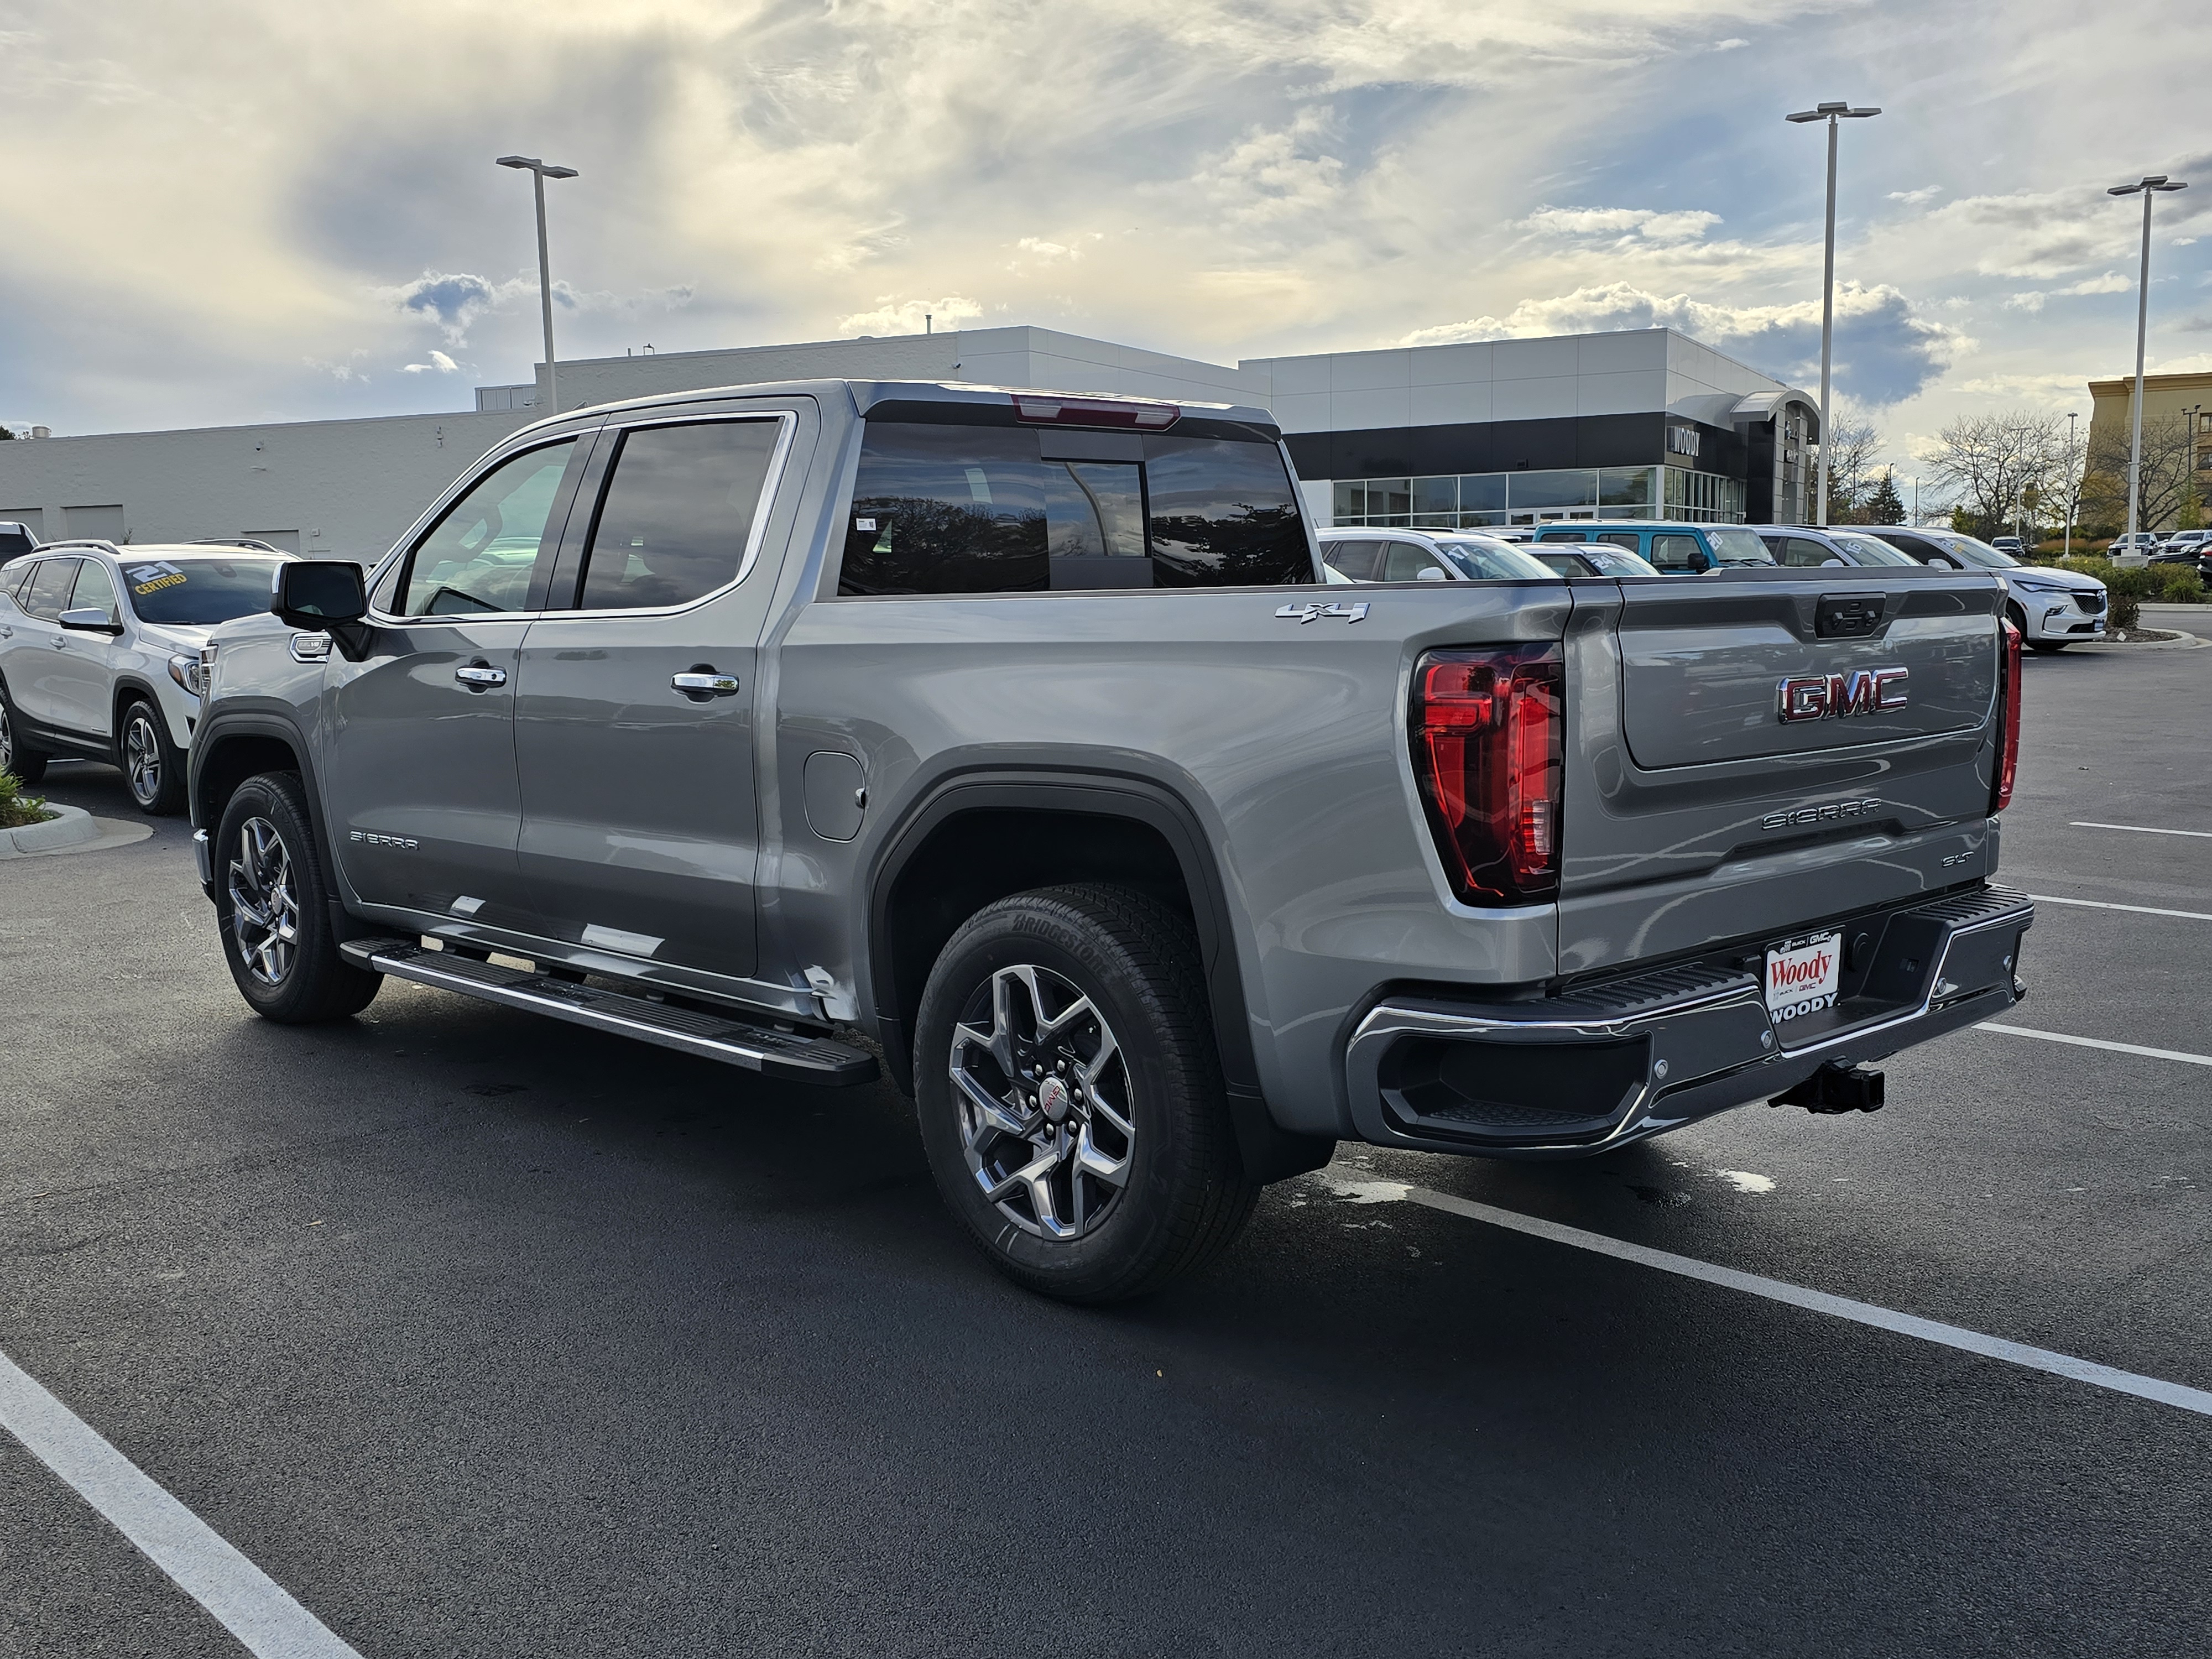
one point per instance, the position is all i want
(1486, 736)
(1045, 409)
(2009, 736)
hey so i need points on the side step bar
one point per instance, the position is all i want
(784, 1055)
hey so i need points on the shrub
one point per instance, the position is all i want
(2180, 584)
(16, 808)
(2126, 611)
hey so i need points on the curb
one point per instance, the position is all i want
(2186, 642)
(75, 830)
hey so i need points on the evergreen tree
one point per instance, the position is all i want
(1886, 506)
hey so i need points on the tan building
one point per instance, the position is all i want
(2165, 397)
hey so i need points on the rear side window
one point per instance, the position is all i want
(1802, 551)
(974, 509)
(49, 592)
(1677, 554)
(678, 513)
(1357, 560)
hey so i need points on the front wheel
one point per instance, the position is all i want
(1070, 1097)
(2046, 646)
(153, 767)
(272, 905)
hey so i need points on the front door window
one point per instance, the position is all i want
(481, 558)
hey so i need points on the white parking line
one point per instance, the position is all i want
(2143, 829)
(2137, 909)
(1796, 1295)
(2180, 1055)
(245, 1600)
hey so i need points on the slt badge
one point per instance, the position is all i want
(1832, 697)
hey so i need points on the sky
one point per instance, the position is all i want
(240, 210)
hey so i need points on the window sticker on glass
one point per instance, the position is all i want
(153, 578)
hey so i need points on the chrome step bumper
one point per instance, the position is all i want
(1576, 1073)
(785, 1055)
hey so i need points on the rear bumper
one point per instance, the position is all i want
(1639, 1054)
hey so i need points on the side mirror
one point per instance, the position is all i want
(1430, 573)
(1700, 563)
(1825, 563)
(90, 620)
(325, 595)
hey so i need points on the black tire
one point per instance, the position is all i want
(309, 981)
(2046, 646)
(28, 765)
(153, 767)
(1183, 1196)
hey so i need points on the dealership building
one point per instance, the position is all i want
(1641, 423)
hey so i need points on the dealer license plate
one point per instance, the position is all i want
(1801, 976)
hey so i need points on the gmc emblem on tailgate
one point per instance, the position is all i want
(1830, 696)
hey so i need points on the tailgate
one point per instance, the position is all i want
(1752, 752)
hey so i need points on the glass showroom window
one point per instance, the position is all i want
(1472, 501)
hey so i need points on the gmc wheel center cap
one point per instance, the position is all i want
(1052, 1097)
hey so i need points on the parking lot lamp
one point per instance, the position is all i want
(540, 171)
(2148, 186)
(1831, 113)
(2072, 484)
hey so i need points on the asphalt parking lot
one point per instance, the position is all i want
(485, 1336)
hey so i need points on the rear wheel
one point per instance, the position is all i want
(28, 765)
(153, 767)
(1070, 1095)
(272, 905)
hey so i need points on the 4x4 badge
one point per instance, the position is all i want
(1306, 613)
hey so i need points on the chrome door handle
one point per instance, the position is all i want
(704, 684)
(480, 676)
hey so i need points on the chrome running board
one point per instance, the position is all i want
(786, 1055)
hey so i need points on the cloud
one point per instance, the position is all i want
(1622, 226)
(2111, 282)
(1735, 42)
(908, 316)
(439, 363)
(1915, 198)
(1884, 352)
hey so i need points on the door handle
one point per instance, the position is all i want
(704, 683)
(480, 676)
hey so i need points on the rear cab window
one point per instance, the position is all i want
(944, 507)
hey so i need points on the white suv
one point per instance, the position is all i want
(100, 653)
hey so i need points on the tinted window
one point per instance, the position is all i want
(196, 593)
(1568, 564)
(1223, 514)
(962, 509)
(95, 591)
(1563, 536)
(1615, 560)
(49, 587)
(1679, 553)
(1628, 538)
(1867, 550)
(1357, 560)
(481, 557)
(678, 513)
(946, 509)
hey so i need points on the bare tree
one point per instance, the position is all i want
(1993, 461)
(2168, 484)
(1852, 443)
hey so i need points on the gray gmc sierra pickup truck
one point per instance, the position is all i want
(1014, 732)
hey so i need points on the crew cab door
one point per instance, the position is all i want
(637, 690)
(418, 749)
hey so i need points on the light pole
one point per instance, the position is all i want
(540, 171)
(1831, 113)
(2148, 186)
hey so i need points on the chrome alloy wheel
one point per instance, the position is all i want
(1042, 1091)
(7, 741)
(264, 914)
(142, 757)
